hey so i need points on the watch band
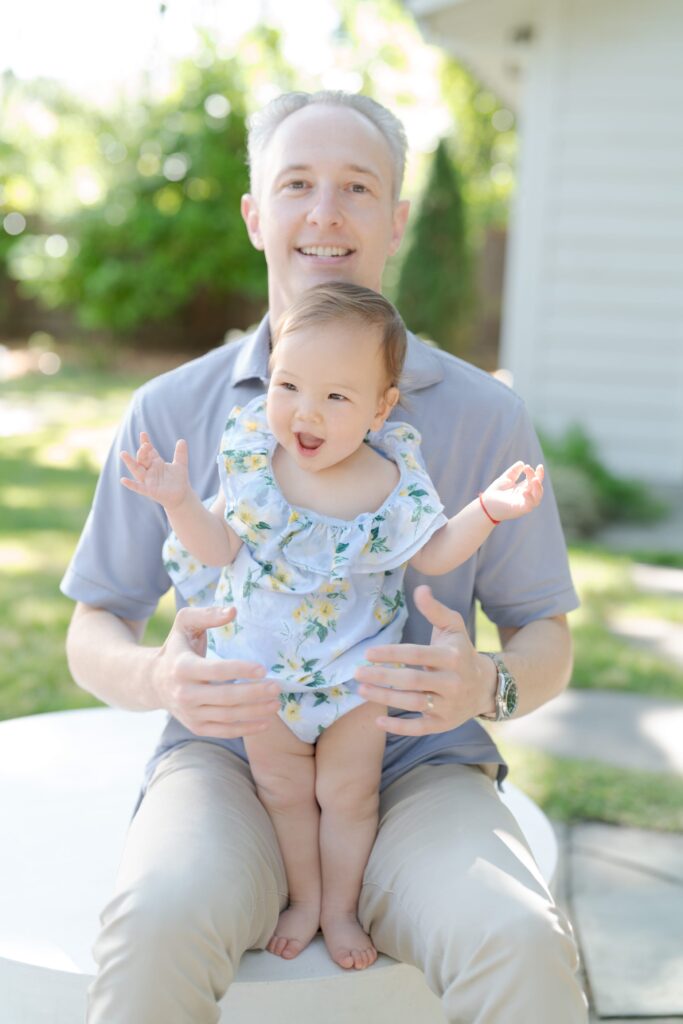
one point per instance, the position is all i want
(506, 691)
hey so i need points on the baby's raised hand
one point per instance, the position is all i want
(513, 495)
(165, 482)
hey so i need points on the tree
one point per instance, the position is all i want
(434, 292)
(167, 246)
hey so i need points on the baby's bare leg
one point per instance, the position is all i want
(284, 771)
(348, 769)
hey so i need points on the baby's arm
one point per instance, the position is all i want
(204, 532)
(459, 538)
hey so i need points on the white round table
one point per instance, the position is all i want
(68, 786)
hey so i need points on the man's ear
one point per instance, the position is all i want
(386, 404)
(250, 216)
(400, 219)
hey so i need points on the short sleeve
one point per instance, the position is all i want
(522, 569)
(117, 564)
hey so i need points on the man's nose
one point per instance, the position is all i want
(325, 209)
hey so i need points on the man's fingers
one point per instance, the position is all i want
(420, 655)
(419, 726)
(438, 615)
(198, 620)
(404, 700)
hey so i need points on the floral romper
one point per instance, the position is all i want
(312, 593)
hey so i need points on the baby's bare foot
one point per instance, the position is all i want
(296, 927)
(347, 943)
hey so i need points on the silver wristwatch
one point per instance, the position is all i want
(506, 691)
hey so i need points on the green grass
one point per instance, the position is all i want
(47, 479)
(570, 790)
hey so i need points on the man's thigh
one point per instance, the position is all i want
(202, 832)
(452, 888)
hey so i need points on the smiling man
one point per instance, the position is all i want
(450, 885)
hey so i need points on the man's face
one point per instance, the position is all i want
(324, 209)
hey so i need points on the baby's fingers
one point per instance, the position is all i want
(180, 454)
(134, 467)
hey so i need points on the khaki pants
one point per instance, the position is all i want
(450, 887)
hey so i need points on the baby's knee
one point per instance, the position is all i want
(283, 790)
(346, 794)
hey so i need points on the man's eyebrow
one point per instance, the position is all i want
(356, 168)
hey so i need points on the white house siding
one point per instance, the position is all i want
(593, 320)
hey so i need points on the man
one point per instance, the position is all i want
(450, 885)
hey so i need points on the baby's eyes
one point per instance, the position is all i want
(287, 385)
(336, 397)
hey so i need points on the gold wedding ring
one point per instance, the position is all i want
(430, 702)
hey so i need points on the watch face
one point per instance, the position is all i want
(510, 699)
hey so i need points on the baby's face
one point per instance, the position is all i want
(327, 389)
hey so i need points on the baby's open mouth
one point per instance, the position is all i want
(309, 442)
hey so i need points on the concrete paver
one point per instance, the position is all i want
(656, 635)
(623, 891)
(628, 730)
(629, 920)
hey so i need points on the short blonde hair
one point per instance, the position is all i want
(340, 300)
(263, 124)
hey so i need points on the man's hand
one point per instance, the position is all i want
(185, 681)
(448, 682)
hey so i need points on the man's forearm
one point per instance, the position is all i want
(539, 656)
(106, 659)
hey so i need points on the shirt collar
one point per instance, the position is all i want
(422, 366)
(252, 359)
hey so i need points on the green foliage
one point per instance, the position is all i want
(434, 290)
(588, 495)
(170, 230)
(487, 146)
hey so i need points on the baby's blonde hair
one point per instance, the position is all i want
(340, 300)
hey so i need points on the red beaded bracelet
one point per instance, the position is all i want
(486, 512)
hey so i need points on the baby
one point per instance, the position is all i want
(323, 505)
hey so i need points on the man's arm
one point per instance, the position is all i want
(462, 681)
(107, 659)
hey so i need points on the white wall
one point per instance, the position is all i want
(593, 323)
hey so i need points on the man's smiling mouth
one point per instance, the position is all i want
(324, 250)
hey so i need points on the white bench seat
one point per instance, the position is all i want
(68, 785)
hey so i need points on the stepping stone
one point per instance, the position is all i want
(627, 898)
(658, 579)
(656, 635)
(624, 729)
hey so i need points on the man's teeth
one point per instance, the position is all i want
(324, 250)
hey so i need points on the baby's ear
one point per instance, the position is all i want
(386, 404)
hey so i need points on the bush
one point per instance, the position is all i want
(588, 495)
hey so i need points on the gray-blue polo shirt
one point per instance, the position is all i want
(472, 428)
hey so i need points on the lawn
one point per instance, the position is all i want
(54, 434)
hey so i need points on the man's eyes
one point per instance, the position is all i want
(296, 186)
(356, 186)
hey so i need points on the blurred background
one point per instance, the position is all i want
(546, 246)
